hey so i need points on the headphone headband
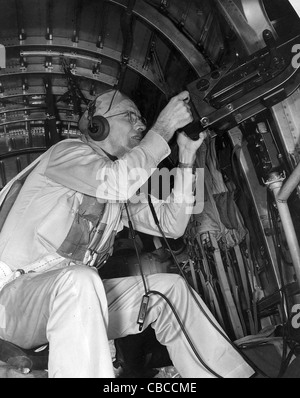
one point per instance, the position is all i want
(97, 126)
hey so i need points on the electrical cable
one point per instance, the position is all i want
(145, 300)
(133, 235)
(111, 102)
(259, 371)
(185, 333)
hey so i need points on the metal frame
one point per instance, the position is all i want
(248, 18)
(148, 15)
(259, 198)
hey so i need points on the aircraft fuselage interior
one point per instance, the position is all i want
(239, 60)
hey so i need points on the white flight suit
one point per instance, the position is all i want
(65, 303)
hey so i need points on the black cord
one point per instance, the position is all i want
(133, 235)
(185, 333)
(145, 300)
(195, 297)
(111, 102)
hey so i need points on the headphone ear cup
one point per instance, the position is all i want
(99, 129)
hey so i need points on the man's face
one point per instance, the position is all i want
(126, 128)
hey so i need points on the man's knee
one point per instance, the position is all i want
(179, 284)
(84, 277)
(171, 282)
(173, 279)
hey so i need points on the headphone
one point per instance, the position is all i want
(98, 127)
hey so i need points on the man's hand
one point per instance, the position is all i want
(188, 147)
(176, 115)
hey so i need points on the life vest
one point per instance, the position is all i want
(86, 222)
(86, 227)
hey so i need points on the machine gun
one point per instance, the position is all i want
(229, 96)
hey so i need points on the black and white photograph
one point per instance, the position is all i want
(149, 191)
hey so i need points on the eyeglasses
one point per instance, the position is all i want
(132, 117)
